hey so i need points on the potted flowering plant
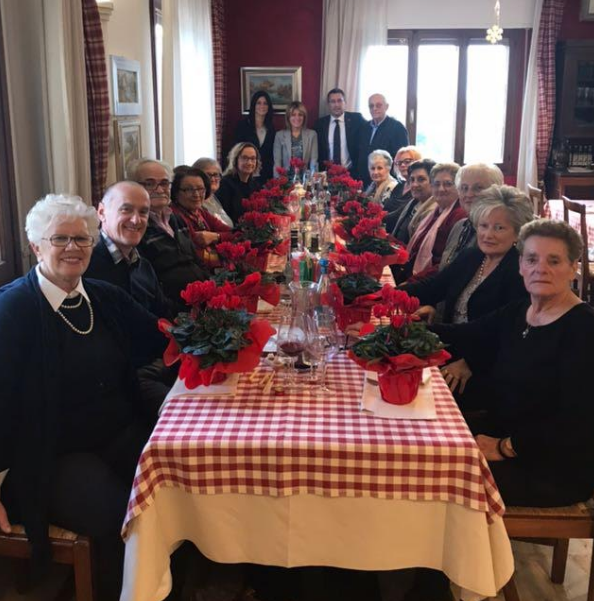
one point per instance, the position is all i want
(239, 266)
(216, 337)
(262, 230)
(399, 350)
(353, 292)
(340, 184)
(369, 236)
(352, 212)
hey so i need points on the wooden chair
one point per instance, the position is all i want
(537, 198)
(66, 548)
(585, 270)
(551, 525)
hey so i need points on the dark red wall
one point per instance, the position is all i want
(571, 26)
(269, 33)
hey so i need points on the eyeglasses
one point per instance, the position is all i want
(63, 241)
(214, 175)
(193, 190)
(476, 189)
(445, 185)
(248, 159)
(404, 162)
(151, 184)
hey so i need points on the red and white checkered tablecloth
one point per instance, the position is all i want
(301, 444)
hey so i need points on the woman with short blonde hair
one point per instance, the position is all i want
(296, 141)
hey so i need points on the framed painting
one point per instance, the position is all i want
(587, 12)
(125, 85)
(282, 83)
(128, 145)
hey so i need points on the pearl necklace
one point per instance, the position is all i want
(482, 270)
(75, 305)
(73, 327)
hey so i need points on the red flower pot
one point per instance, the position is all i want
(400, 388)
(345, 316)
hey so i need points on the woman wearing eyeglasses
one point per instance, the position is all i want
(189, 188)
(71, 429)
(212, 204)
(428, 242)
(258, 128)
(240, 178)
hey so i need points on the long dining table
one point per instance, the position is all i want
(297, 478)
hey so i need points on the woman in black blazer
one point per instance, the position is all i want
(258, 129)
(483, 279)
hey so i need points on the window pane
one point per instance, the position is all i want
(436, 100)
(486, 103)
(385, 71)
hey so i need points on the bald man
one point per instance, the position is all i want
(124, 213)
(381, 133)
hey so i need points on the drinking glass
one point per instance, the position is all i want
(329, 340)
(291, 340)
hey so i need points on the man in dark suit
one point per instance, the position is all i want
(382, 132)
(338, 132)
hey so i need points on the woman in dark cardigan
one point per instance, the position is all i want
(481, 279)
(71, 431)
(537, 431)
(240, 178)
(258, 129)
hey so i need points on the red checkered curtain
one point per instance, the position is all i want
(97, 97)
(550, 23)
(220, 76)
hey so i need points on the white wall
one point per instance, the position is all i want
(127, 34)
(458, 14)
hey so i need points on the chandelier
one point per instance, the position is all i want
(495, 33)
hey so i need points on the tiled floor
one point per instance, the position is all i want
(533, 564)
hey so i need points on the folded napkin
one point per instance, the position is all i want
(180, 391)
(423, 407)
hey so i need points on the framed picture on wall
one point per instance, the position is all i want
(128, 144)
(125, 85)
(587, 12)
(282, 83)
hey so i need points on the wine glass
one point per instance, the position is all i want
(329, 340)
(291, 338)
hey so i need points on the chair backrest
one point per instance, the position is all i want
(572, 206)
(536, 195)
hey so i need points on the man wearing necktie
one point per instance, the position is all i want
(338, 132)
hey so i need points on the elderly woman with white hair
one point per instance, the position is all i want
(71, 431)
(384, 188)
(471, 180)
(212, 204)
(537, 429)
(483, 278)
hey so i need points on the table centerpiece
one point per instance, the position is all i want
(217, 336)
(399, 350)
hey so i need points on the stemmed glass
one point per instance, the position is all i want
(325, 341)
(291, 340)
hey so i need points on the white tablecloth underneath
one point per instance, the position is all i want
(302, 530)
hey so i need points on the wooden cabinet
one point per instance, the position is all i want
(575, 90)
(573, 185)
